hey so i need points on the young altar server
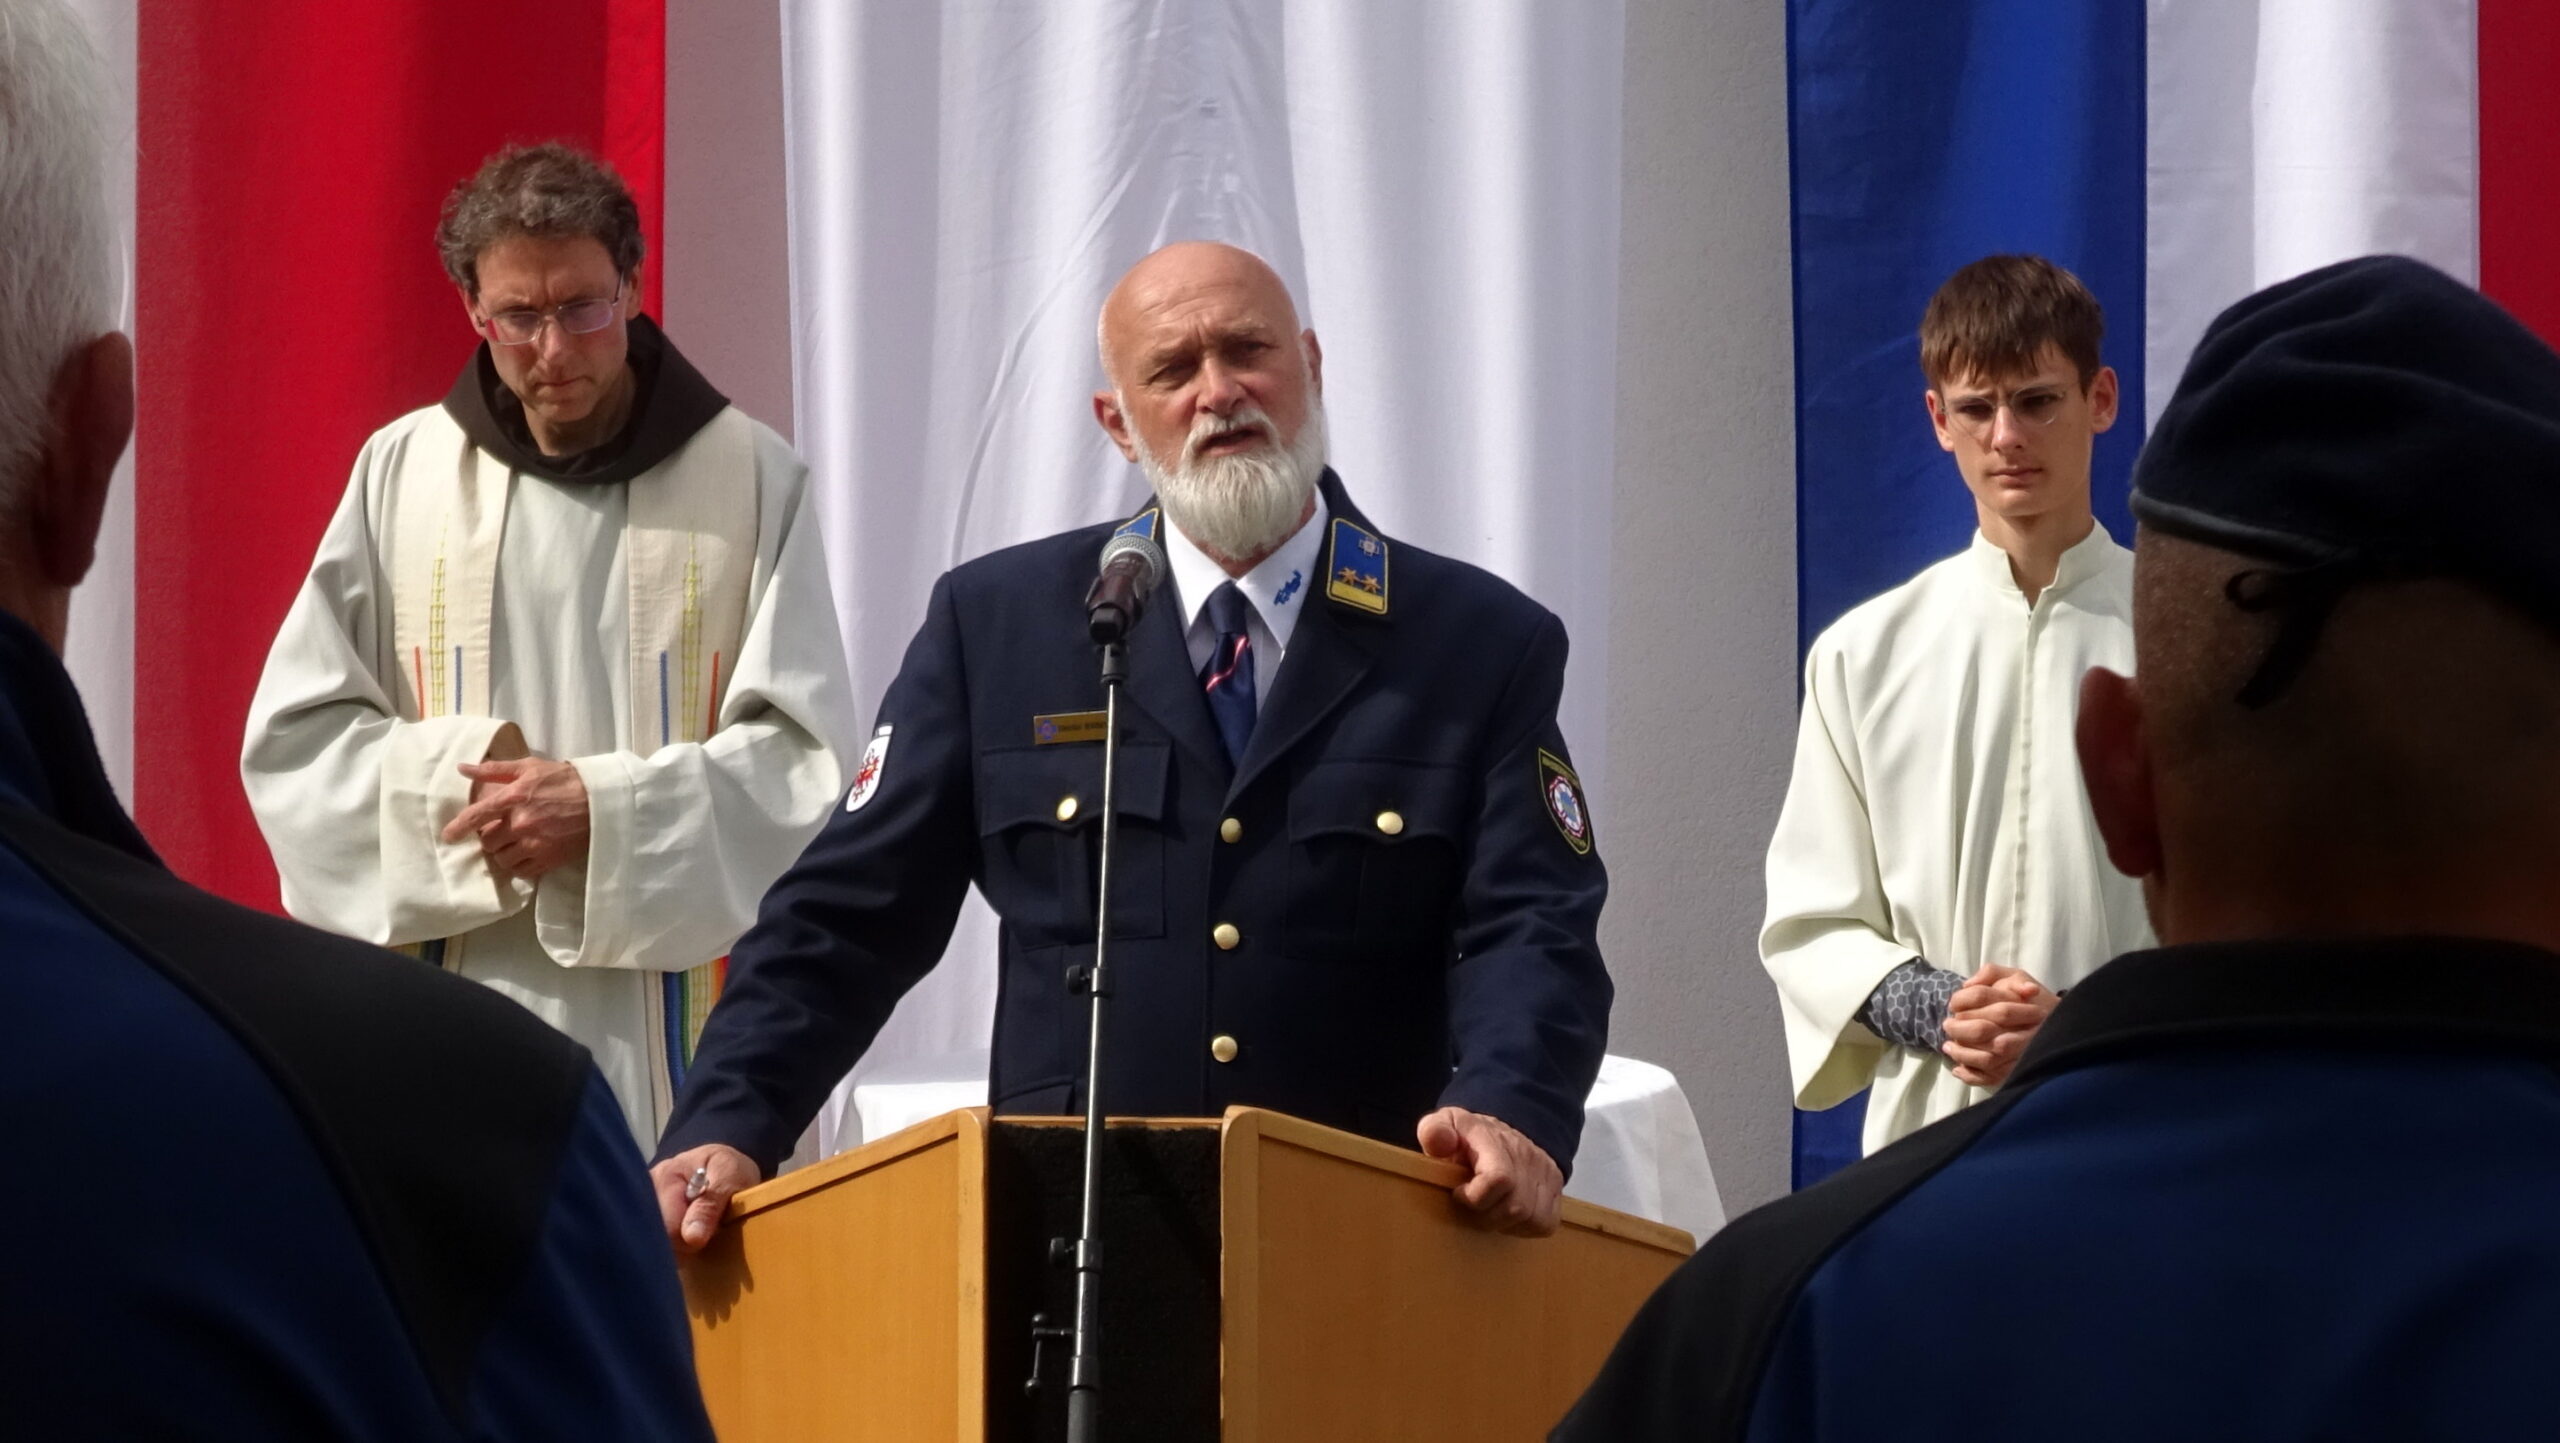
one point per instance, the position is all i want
(1936, 877)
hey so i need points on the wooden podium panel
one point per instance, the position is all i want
(864, 1297)
(846, 1300)
(1360, 1305)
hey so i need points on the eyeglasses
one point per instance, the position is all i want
(577, 318)
(2034, 410)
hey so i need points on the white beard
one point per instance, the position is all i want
(1246, 504)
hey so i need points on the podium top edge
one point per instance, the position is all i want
(1250, 1126)
(874, 1154)
(1405, 1162)
(1011, 1120)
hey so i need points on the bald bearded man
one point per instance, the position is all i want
(1355, 877)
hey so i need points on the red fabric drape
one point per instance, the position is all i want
(293, 155)
(635, 121)
(2520, 160)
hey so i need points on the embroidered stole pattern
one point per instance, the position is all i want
(689, 543)
(689, 550)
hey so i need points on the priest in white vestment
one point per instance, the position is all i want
(563, 692)
(1936, 878)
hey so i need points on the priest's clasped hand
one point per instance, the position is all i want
(530, 815)
(1512, 1185)
(1990, 1021)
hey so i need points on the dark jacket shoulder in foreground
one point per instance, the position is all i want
(301, 1187)
(2265, 1191)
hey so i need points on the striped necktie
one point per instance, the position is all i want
(1227, 677)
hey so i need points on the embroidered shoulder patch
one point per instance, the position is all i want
(866, 779)
(1356, 573)
(1563, 791)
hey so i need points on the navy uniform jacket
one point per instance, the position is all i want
(297, 1186)
(2285, 1190)
(1411, 878)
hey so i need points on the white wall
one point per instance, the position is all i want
(726, 267)
(1702, 697)
(99, 651)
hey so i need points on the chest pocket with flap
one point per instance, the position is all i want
(1040, 839)
(1376, 853)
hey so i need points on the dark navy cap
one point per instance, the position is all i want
(2371, 420)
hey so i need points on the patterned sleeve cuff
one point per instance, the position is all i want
(1909, 1007)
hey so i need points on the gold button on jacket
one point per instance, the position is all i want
(1226, 936)
(1066, 809)
(1391, 823)
(1223, 1048)
(1231, 830)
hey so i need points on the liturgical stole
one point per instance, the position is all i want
(689, 550)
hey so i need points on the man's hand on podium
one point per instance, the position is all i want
(1512, 1185)
(691, 1210)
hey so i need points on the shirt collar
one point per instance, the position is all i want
(2088, 556)
(2354, 993)
(1278, 588)
(48, 757)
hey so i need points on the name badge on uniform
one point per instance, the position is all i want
(1068, 726)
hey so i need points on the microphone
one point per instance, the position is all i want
(1132, 567)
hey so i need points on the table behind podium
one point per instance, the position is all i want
(1266, 1280)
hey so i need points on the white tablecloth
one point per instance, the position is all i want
(1640, 1154)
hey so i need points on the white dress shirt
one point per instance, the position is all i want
(1278, 590)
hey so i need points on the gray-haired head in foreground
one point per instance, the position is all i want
(57, 251)
(538, 190)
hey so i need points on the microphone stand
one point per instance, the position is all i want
(1084, 1252)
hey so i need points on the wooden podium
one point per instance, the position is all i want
(1266, 1280)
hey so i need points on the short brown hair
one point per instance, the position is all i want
(538, 190)
(1995, 316)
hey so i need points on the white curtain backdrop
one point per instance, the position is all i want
(2287, 134)
(1437, 180)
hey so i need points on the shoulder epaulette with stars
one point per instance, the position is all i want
(1356, 572)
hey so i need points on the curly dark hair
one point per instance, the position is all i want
(549, 189)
